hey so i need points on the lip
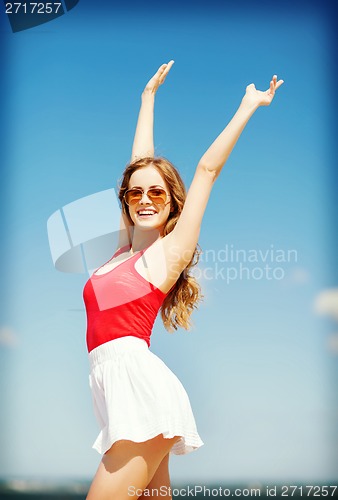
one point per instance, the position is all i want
(145, 216)
(154, 212)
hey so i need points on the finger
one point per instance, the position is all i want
(158, 73)
(166, 71)
(168, 67)
(279, 83)
(161, 69)
(272, 87)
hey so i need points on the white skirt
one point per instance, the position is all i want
(136, 397)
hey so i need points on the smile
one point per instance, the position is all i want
(146, 213)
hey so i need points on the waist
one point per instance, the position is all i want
(112, 348)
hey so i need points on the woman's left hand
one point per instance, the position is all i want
(254, 97)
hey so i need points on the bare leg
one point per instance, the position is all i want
(127, 468)
(160, 483)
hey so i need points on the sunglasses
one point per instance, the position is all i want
(157, 195)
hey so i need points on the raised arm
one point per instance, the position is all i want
(216, 156)
(144, 135)
(143, 144)
(185, 235)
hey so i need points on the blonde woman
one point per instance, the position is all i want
(142, 408)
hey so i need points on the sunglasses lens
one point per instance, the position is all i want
(158, 196)
(133, 196)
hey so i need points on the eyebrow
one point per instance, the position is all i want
(150, 187)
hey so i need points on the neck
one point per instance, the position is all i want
(143, 239)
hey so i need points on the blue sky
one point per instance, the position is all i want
(259, 363)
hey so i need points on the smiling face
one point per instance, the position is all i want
(147, 214)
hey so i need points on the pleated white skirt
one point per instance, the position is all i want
(137, 397)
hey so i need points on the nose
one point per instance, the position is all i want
(145, 199)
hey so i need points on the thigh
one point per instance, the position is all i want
(159, 486)
(127, 468)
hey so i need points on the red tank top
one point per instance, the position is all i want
(120, 303)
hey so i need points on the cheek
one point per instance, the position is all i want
(166, 213)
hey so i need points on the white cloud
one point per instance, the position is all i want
(8, 337)
(326, 303)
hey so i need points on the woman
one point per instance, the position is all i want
(143, 410)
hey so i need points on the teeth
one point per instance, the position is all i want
(146, 212)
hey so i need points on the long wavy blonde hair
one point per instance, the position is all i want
(186, 294)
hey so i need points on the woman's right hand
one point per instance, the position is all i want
(158, 78)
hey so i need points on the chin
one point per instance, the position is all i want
(149, 223)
